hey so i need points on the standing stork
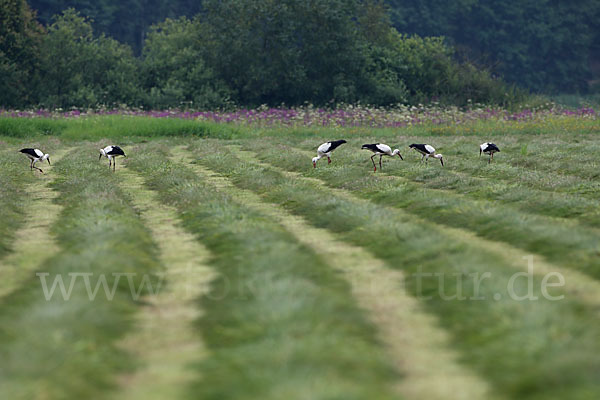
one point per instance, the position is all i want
(35, 155)
(325, 150)
(380, 149)
(427, 151)
(488, 148)
(111, 152)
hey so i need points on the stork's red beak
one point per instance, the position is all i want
(442, 161)
(314, 165)
(48, 159)
(400, 155)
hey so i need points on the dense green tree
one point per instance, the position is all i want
(174, 69)
(237, 52)
(124, 20)
(20, 38)
(83, 71)
(287, 51)
(545, 45)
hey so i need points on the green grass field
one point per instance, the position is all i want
(217, 263)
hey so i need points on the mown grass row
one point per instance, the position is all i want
(278, 322)
(538, 162)
(526, 349)
(572, 246)
(584, 210)
(14, 175)
(572, 154)
(55, 348)
(499, 188)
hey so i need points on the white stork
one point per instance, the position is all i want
(488, 148)
(427, 151)
(111, 152)
(380, 149)
(35, 155)
(325, 150)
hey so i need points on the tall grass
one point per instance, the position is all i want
(112, 126)
(421, 122)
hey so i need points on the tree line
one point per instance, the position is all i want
(236, 53)
(545, 45)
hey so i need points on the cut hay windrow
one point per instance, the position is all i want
(33, 242)
(59, 332)
(503, 337)
(415, 344)
(164, 342)
(578, 286)
(14, 177)
(278, 322)
(572, 208)
(570, 246)
(542, 163)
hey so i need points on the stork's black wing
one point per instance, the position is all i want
(30, 152)
(335, 144)
(116, 151)
(492, 147)
(373, 147)
(419, 147)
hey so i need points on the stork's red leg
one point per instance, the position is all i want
(373, 161)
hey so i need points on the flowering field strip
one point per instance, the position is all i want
(494, 336)
(56, 348)
(278, 322)
(416, 120)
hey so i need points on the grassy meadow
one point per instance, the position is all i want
(217, 263)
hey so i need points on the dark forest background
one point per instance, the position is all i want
(225, 53)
